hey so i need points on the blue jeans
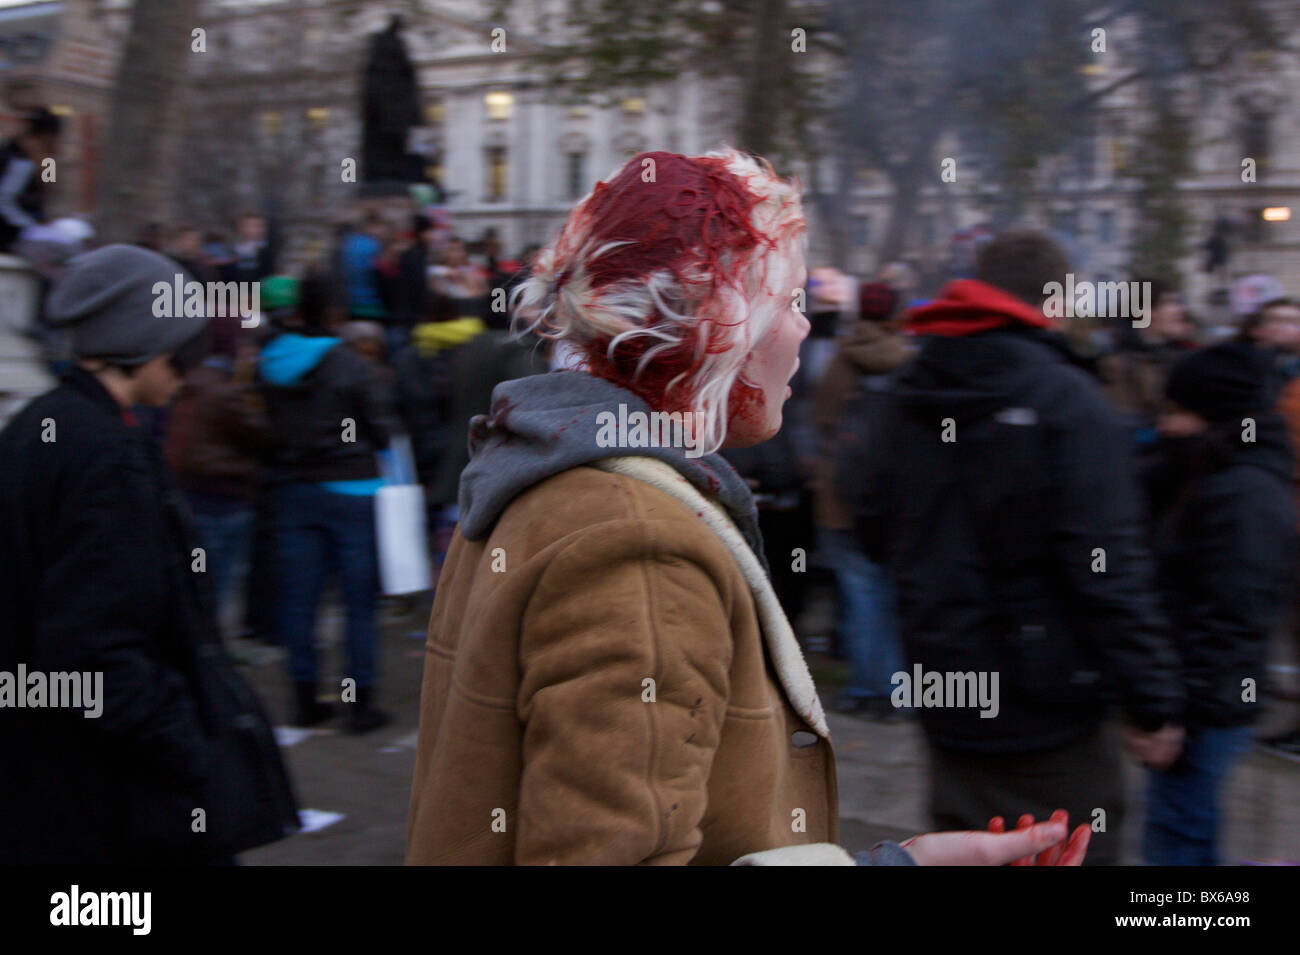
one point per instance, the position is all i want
(1182, 824)
(868, 622)
(324, 532)
(226, 538)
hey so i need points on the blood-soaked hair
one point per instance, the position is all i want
(666, 276)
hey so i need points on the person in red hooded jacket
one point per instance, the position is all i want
(995, 482)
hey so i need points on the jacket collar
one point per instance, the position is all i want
(86, 384)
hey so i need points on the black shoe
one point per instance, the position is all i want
(309, 710)
(1287, 745)
(365, 715)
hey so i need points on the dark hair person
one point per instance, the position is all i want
(98, 575)
(609, 677)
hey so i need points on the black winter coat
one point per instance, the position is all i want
(1227, 552)
(308, 419)
(1017, 544)
(96, 575)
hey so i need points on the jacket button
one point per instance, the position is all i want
(802, 739)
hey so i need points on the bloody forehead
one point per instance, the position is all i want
(692, 210)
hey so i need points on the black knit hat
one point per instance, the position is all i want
(1222, 383)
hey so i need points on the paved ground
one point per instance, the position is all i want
(881, 772)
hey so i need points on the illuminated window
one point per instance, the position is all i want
(435, 112)
(634, 105)
(498, 171)
(271, 123)
(318, 116)
(499, 103)
(579, 112)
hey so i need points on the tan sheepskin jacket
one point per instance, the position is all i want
(609, 680)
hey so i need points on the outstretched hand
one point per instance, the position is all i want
(1065, 853)
(1043, 843)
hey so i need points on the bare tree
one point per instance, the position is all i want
(140, 152)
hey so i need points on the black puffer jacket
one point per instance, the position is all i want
(997, 536)
(1227, 551)
(328, 407)
(96, 575)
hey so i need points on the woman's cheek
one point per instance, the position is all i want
(745, 406)
(750, 418)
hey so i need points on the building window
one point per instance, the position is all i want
(499, 103)
(1255, 137)
(634, 105)
(497, 173)
(435, 113)
(1065, 222)
(1085, 150)
(576, 175)
(578, 112)
(1106, 226)
(318, 116)
(1254, 228)
(864, 231)
(1114, 142)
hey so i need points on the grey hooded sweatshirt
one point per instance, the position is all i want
(543, 425)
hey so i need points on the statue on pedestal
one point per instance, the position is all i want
(390, 108)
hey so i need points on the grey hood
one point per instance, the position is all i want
(543, 425)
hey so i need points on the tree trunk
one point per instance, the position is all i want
(140, 152)
(764, 92)
(902, 210)
(835, 207)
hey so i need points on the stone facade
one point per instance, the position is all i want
(273, 116)
(64, 55)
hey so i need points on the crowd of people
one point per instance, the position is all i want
(1113, 535)
(1117, 524)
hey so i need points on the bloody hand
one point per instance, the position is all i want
(1069, 852)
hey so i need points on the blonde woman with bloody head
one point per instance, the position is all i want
(609, 677)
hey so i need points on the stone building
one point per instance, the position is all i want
(273, 117)
(63, 55)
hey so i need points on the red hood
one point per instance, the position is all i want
(967, 306)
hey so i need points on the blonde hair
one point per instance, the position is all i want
(666, 283)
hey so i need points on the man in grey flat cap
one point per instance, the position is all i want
(166, 757)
